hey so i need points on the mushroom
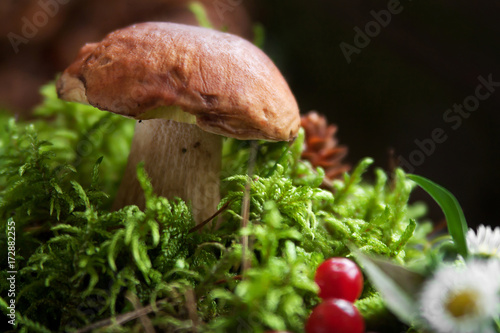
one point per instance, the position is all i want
(188, 87)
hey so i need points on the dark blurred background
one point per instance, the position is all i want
(401, 80)
(399, 86)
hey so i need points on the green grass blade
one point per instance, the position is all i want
(457, 226)
(398, 286)
(201, 14)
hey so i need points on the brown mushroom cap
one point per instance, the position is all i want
(230, 85)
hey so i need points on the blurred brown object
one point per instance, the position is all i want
(321, 146)
(44, 36)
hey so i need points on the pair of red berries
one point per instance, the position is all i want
(340, 283)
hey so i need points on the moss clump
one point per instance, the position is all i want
(80, 264)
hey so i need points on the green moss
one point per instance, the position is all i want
(80, 264)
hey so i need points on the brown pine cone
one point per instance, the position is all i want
(321, 147)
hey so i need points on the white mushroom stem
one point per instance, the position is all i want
(182, 161)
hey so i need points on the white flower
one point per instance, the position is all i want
(485, 243)
(462, 299)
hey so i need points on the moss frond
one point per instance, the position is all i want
(83, 266)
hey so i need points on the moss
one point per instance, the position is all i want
(80, 264)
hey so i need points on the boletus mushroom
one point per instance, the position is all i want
(188, 87)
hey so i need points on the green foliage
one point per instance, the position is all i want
(80, 264)
(200, 13)
(374, 219)
(454, 214)
(277, 291)
(376, 315)
(80, 134)
(402, 287)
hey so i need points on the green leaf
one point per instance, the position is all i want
(258, 35)
(31, 326)
(155, 232)
(405, 237)
(81, 193)
(457, 226)
(23, 169)
(113, 249)
(201, 14)
(3, 305)
(95, 172)
(284, 152)
(67, 228)
(397, 285)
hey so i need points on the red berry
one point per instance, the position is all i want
(335, 316)
(339, 278)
